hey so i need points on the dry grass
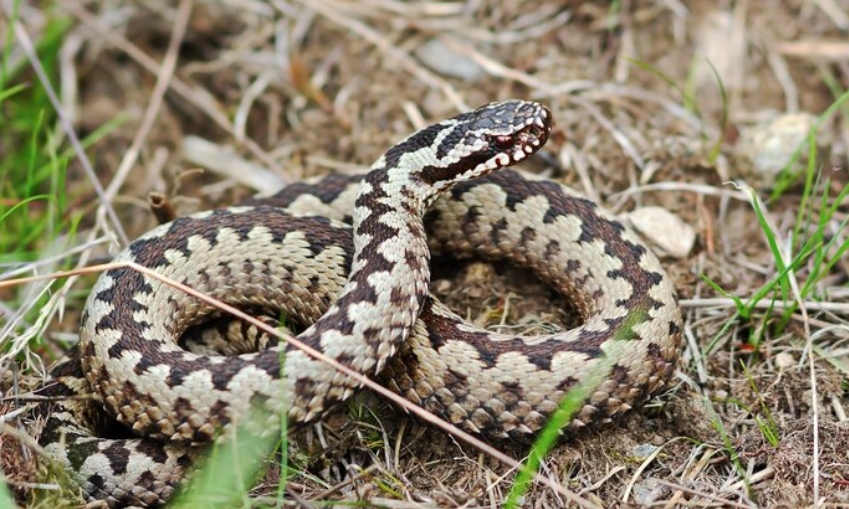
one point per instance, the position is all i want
(263, 93)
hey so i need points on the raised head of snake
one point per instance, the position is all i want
(132, 323)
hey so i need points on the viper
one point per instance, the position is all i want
(348, 258)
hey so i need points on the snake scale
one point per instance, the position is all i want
(349, 258)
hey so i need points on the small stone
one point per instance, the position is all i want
(441, 58)
(650, 492)
(668, 234)
(478, 273)
(765, 149)
(642, 452)
(785, 360)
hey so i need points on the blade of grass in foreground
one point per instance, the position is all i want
(5, 498)
(570, 404)
(226, 477)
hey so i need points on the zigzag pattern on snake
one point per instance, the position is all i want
(364, 290)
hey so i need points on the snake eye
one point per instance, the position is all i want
(534, 131)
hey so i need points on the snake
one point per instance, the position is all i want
(130, 408)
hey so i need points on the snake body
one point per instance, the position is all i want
(363, 287)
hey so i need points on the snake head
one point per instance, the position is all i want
(486, 139)
(515, 128)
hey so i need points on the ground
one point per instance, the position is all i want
(668, 103)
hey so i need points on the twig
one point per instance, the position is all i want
(614, 131)
(724, 302)
(701, 189)
(832, 51)
(497, 69)
(835, 12)
(723, 501)
(753, 479)
(224, 161)
(161, 207)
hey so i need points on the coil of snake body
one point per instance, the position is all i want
(364, 289)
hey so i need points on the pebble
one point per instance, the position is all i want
(649, 492)
(444, 60)
(785, 360)
(642, 452)
(766, 148)
(668, 234)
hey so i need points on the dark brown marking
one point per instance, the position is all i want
(440, 329)
(118, 456)
(495, 233)
(153, 449)
(328, 191)
(528, 235)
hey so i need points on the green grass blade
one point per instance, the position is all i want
(226, 476)
(742, 309)
(6, 501)
(9, 92)
(689, 102)
(771, 242)
(570, 404)
(723, 121)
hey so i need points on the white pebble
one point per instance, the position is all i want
(441, 58)
(668, 234)
(766, 148)
(785, 360)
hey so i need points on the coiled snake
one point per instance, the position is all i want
(364, 289)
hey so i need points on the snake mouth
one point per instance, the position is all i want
(530, 137)
(525, 142)
(534, 136)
